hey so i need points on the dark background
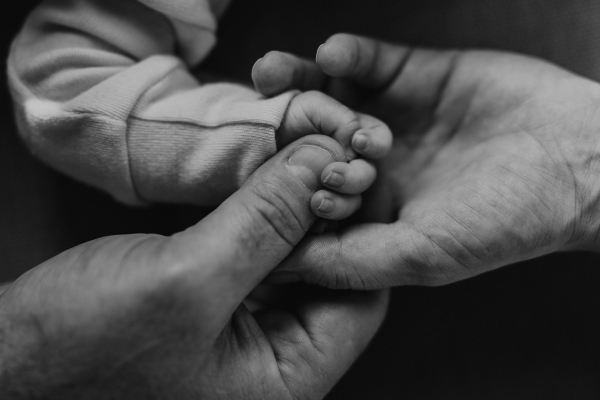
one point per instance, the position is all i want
(529, 331)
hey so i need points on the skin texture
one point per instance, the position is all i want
(153, 317)
(494, 161)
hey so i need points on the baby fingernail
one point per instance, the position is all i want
(307, 164)
(326, 206)
(334, 180)
(360, 141)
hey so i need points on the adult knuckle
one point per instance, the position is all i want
(273, 205)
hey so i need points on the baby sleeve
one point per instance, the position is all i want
(102, 92)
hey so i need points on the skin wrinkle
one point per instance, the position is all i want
(340, 254)
(564, 161)
(315, 337)
(514, 238)
(465, 227)
(441, 266)
(532, 192)
(284, 361)
(419, 268)
(353, 124)
(315, 123)
(356, 274)
(504, 210)
(392, 247)
(528, 183)
(279, 214)
(495, 250)
(282, 376)
(246, 332)
(349, 271)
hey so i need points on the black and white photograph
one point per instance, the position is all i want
(300, 200)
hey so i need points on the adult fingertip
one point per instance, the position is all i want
(334, 56)
(272, 74)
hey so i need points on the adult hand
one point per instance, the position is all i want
(146, 316)
(495, 161)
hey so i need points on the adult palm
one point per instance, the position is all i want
(495, 161)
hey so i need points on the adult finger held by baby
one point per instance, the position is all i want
(278, 72)
(349, 178)
(334, 206)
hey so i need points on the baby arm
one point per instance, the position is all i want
(103, 93)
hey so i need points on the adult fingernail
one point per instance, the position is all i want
(280, 278)
(334, 180)
(326, 206)
(307, 164)
(360, 141)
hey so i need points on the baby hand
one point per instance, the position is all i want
(359, 134)
(313, 112)
(316, 113)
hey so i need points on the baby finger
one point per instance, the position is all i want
(349, 178)
(374, 140)
(334, 206)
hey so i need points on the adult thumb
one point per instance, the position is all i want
(234, 248)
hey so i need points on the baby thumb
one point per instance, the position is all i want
(237, 245)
